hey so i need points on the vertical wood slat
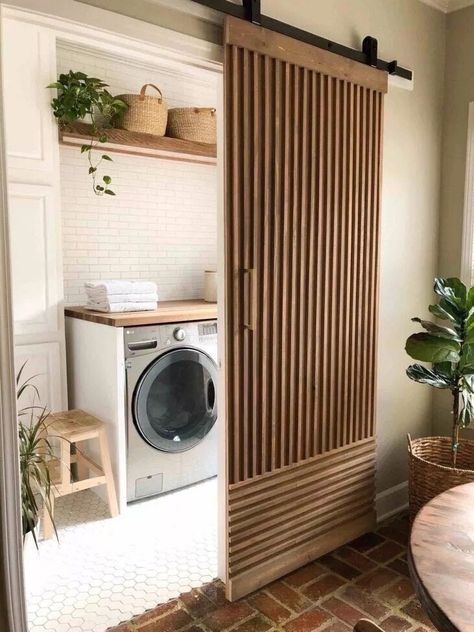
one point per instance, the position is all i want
(303, 154)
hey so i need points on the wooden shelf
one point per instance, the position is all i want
(134, 143)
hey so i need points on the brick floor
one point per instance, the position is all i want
(367, 578)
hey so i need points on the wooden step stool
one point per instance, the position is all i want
(71, 428)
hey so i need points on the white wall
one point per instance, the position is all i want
(161, 225)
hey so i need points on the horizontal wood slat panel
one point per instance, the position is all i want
(303, 163)
(264, 520)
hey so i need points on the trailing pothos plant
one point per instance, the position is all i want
(450, 350)
(79, 96)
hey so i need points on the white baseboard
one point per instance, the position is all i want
(391, 501)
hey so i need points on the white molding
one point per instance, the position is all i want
(448, 6)
(155, 63)
(468, 219)
(13, 616)
(391, 501)
(174, 49)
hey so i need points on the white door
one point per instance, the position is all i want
(29, 65)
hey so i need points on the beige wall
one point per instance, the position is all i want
(414, 34)
(459, 92)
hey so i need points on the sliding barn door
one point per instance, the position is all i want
(303, 155)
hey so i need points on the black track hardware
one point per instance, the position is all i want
(250, 10)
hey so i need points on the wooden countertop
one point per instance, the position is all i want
(167, 312)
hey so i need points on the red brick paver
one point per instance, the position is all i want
(365, 579)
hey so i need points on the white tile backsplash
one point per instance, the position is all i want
(162, 223)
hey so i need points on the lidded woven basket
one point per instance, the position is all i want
(194, 124)
(145, 113)
(431, 471)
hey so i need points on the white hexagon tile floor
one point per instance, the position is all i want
(103, 571)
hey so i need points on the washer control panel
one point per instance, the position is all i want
(154, 338)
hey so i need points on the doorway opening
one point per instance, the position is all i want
(136, 520)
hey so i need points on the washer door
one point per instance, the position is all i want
(175, 400)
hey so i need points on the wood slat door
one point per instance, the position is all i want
(303, 135)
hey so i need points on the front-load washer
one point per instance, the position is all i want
(171, 374)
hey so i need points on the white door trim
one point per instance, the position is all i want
(468, 220)
(175, 50)
(12, 603)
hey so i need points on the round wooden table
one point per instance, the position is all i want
(441, 559)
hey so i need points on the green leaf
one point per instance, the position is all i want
(450, 307)
(445, 369)
(105, 157)
(470, 299)
(109, 192)
(467, 413)
(92, 170)
(467, 358)
(103, 138)
(438, 330)
(430, 348)
(453, 290)
(423, 375)
(469, 338)
(85, 148)
(439, 312)
(107, 179)
(99, 188)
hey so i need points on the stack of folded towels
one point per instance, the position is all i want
(122, 296)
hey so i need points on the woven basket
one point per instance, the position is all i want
(195, 124)
(430, 470)
(144, 113)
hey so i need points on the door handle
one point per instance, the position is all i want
(250, 299)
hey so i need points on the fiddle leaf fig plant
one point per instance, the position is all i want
(79, 96)
(449, 348)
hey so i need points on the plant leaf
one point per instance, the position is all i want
(109, 192)
(107, 179)
(439, 312)
(105, 157)
(453, 290)
(437, 330)
(429, 348)
(423, 375)
(467, 413)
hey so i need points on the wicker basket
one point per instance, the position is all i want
(195, 124)
(430, 471)
(144, 113)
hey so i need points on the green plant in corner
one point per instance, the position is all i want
(79, 96)
(450, 350)
(35, 454)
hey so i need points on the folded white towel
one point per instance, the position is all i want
(103, 297)
(121, 287)
(122, 307)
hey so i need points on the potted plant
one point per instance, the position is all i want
(36, 453)
(79, 97)
(439, 463)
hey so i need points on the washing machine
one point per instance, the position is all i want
(171, 386)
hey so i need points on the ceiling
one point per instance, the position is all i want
(447, 6)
